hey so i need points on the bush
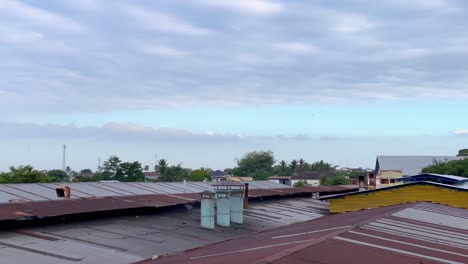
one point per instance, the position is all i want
(300, 184)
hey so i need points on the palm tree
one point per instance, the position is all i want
(162, 166)
(283, 168)
(293, 166)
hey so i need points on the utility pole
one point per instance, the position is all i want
(64, 168)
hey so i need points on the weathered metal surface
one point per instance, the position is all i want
(406, 193)
(389, 234)
(126, 239)
(46, 191)
(52, 208)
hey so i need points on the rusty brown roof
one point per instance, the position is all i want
(54, 208)
(409, 233)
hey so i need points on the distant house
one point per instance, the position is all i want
(312, 178)
(286, 180)
(151, 175)
(389, 170)
(218, 175)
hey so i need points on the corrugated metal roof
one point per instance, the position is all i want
(415, 233)
(441, 177)
(46, 191)
(125, 239)
(411, 165)
(54, 207)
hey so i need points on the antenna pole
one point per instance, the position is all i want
(63, 157)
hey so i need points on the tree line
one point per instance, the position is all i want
(256, 164)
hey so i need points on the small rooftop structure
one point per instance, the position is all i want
(409, 165)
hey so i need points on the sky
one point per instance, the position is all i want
(201, 82)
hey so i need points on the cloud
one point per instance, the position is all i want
(297, 47)
(39, 17)
(162, 22)
(437, 5)
(461, 132)
(125, 132)
(251, 7)
(161, 50)
(26, 40)
(351, 23)
(85, 5)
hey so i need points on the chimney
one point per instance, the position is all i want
(207, 217)
(223, 208)
(237, 206)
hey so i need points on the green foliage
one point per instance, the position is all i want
(454, 167)
(57, 175)
(292, 167)
(111, 167)
(173, 174)
(115, 169)
(463, 152)
(354, 173)
(282, 169)
(262, 174)
(336, 180)
(23, 174)
(162, 166)
(228, 171)
(130, 172)
(300, 184)
(257, 164)
(320, 166)
(199, 175)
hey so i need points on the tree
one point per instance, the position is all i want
(173, 173)
(130, 172)
(57, 175)
(257, 164)
(463, 152)
(111, 167)
(162, 166)
(24, 174)
(282, 169)
(293, 166)
(454, 167)
(146, 168)
(336, 180)
(199, 175)
(300, 184)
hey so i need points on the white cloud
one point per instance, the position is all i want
(461, 132)
(86, 5)
(39, 17)
(9, 35)
(162, 22)
(439, 5)
(160, 50)
(351, 23)
(297, 47)
(252, 7)
(24, 39)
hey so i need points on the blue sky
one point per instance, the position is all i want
(204, 81)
